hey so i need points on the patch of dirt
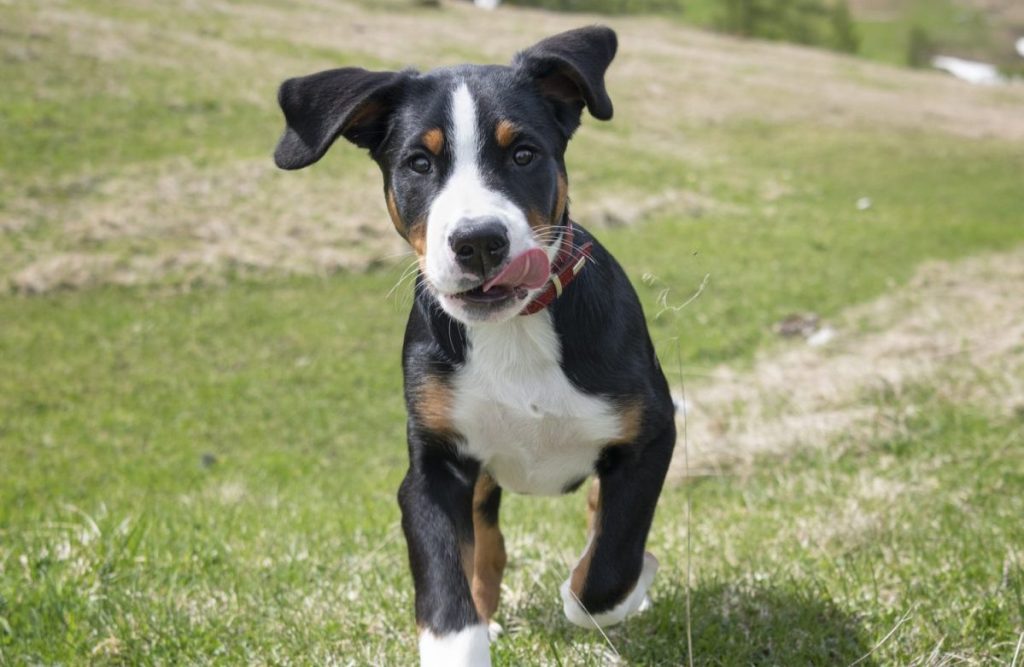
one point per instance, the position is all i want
(956, 327)
(195, 224)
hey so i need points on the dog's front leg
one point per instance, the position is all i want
(611, 579)
(436, 498)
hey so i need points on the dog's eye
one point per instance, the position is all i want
(523, 156)
(420, 164)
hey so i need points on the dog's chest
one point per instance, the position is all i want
(521, 416)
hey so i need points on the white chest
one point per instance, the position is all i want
(519, 414)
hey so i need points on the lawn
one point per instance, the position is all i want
(203, 469)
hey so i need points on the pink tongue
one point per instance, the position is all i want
(529, 270)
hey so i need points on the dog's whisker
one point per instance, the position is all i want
(394, 255)
(409, 272)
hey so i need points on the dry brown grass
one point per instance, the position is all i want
(173, 219)
(956, 327)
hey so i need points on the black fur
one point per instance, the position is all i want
(569, 69)
(606, 350)
(319, 107)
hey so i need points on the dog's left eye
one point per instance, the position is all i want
(523, 156)
(420, 164)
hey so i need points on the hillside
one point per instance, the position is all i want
(135, 143)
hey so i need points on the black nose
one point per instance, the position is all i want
(479, 245)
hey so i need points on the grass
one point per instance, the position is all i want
(205, 473)
(958, 29)
(210, 477)
(961, 28)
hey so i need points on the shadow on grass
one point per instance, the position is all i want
(743, 624)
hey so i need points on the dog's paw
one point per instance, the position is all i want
(636, 602)
(494, 630)
(469, 647)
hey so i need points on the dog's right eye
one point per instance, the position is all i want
(419, 163)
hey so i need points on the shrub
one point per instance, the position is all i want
(812, 22)
(920, 47)
(825, 23)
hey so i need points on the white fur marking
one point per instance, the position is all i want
(465, 196)
(520, 415)
(636, 602)
(469, 647)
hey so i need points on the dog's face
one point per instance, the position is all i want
(472, 158)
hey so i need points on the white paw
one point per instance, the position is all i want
(636, 602)
(494, 630)
(469, 647)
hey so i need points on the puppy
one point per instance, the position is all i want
(527, 361)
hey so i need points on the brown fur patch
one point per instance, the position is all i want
(631, 418)
(593, 503)
(434, 140)
(489, 555)
(560, 87)
(578, 578)
(505, 133)
(466, 555)
(415, 234)
(562, 198)
(539, 223)
(418, 238)
(361, 115)
(432, 405)
(396, 219)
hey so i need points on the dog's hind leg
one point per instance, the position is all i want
(610, 581)
(489, 549)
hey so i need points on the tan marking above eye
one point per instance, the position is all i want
(505, 133)
(434, 140)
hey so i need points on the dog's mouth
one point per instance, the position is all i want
(527, 271)
(495, 295)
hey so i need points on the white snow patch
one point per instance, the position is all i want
(971, 71)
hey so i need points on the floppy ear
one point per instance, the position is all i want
(569, 69)
(350, 101)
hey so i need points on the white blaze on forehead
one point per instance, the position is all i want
(464, 128)
(466, 196)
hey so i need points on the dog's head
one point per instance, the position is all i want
(472, 157)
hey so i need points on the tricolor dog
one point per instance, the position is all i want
(527, 362)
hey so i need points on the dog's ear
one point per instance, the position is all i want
(569, 69)
(350, 101)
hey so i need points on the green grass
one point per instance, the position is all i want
(883, 34)
(285, 548)
(208, 475)
(810, 248)
(952, 28)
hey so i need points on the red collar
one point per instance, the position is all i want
(567, 265)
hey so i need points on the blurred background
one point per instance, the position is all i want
(820, 202)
